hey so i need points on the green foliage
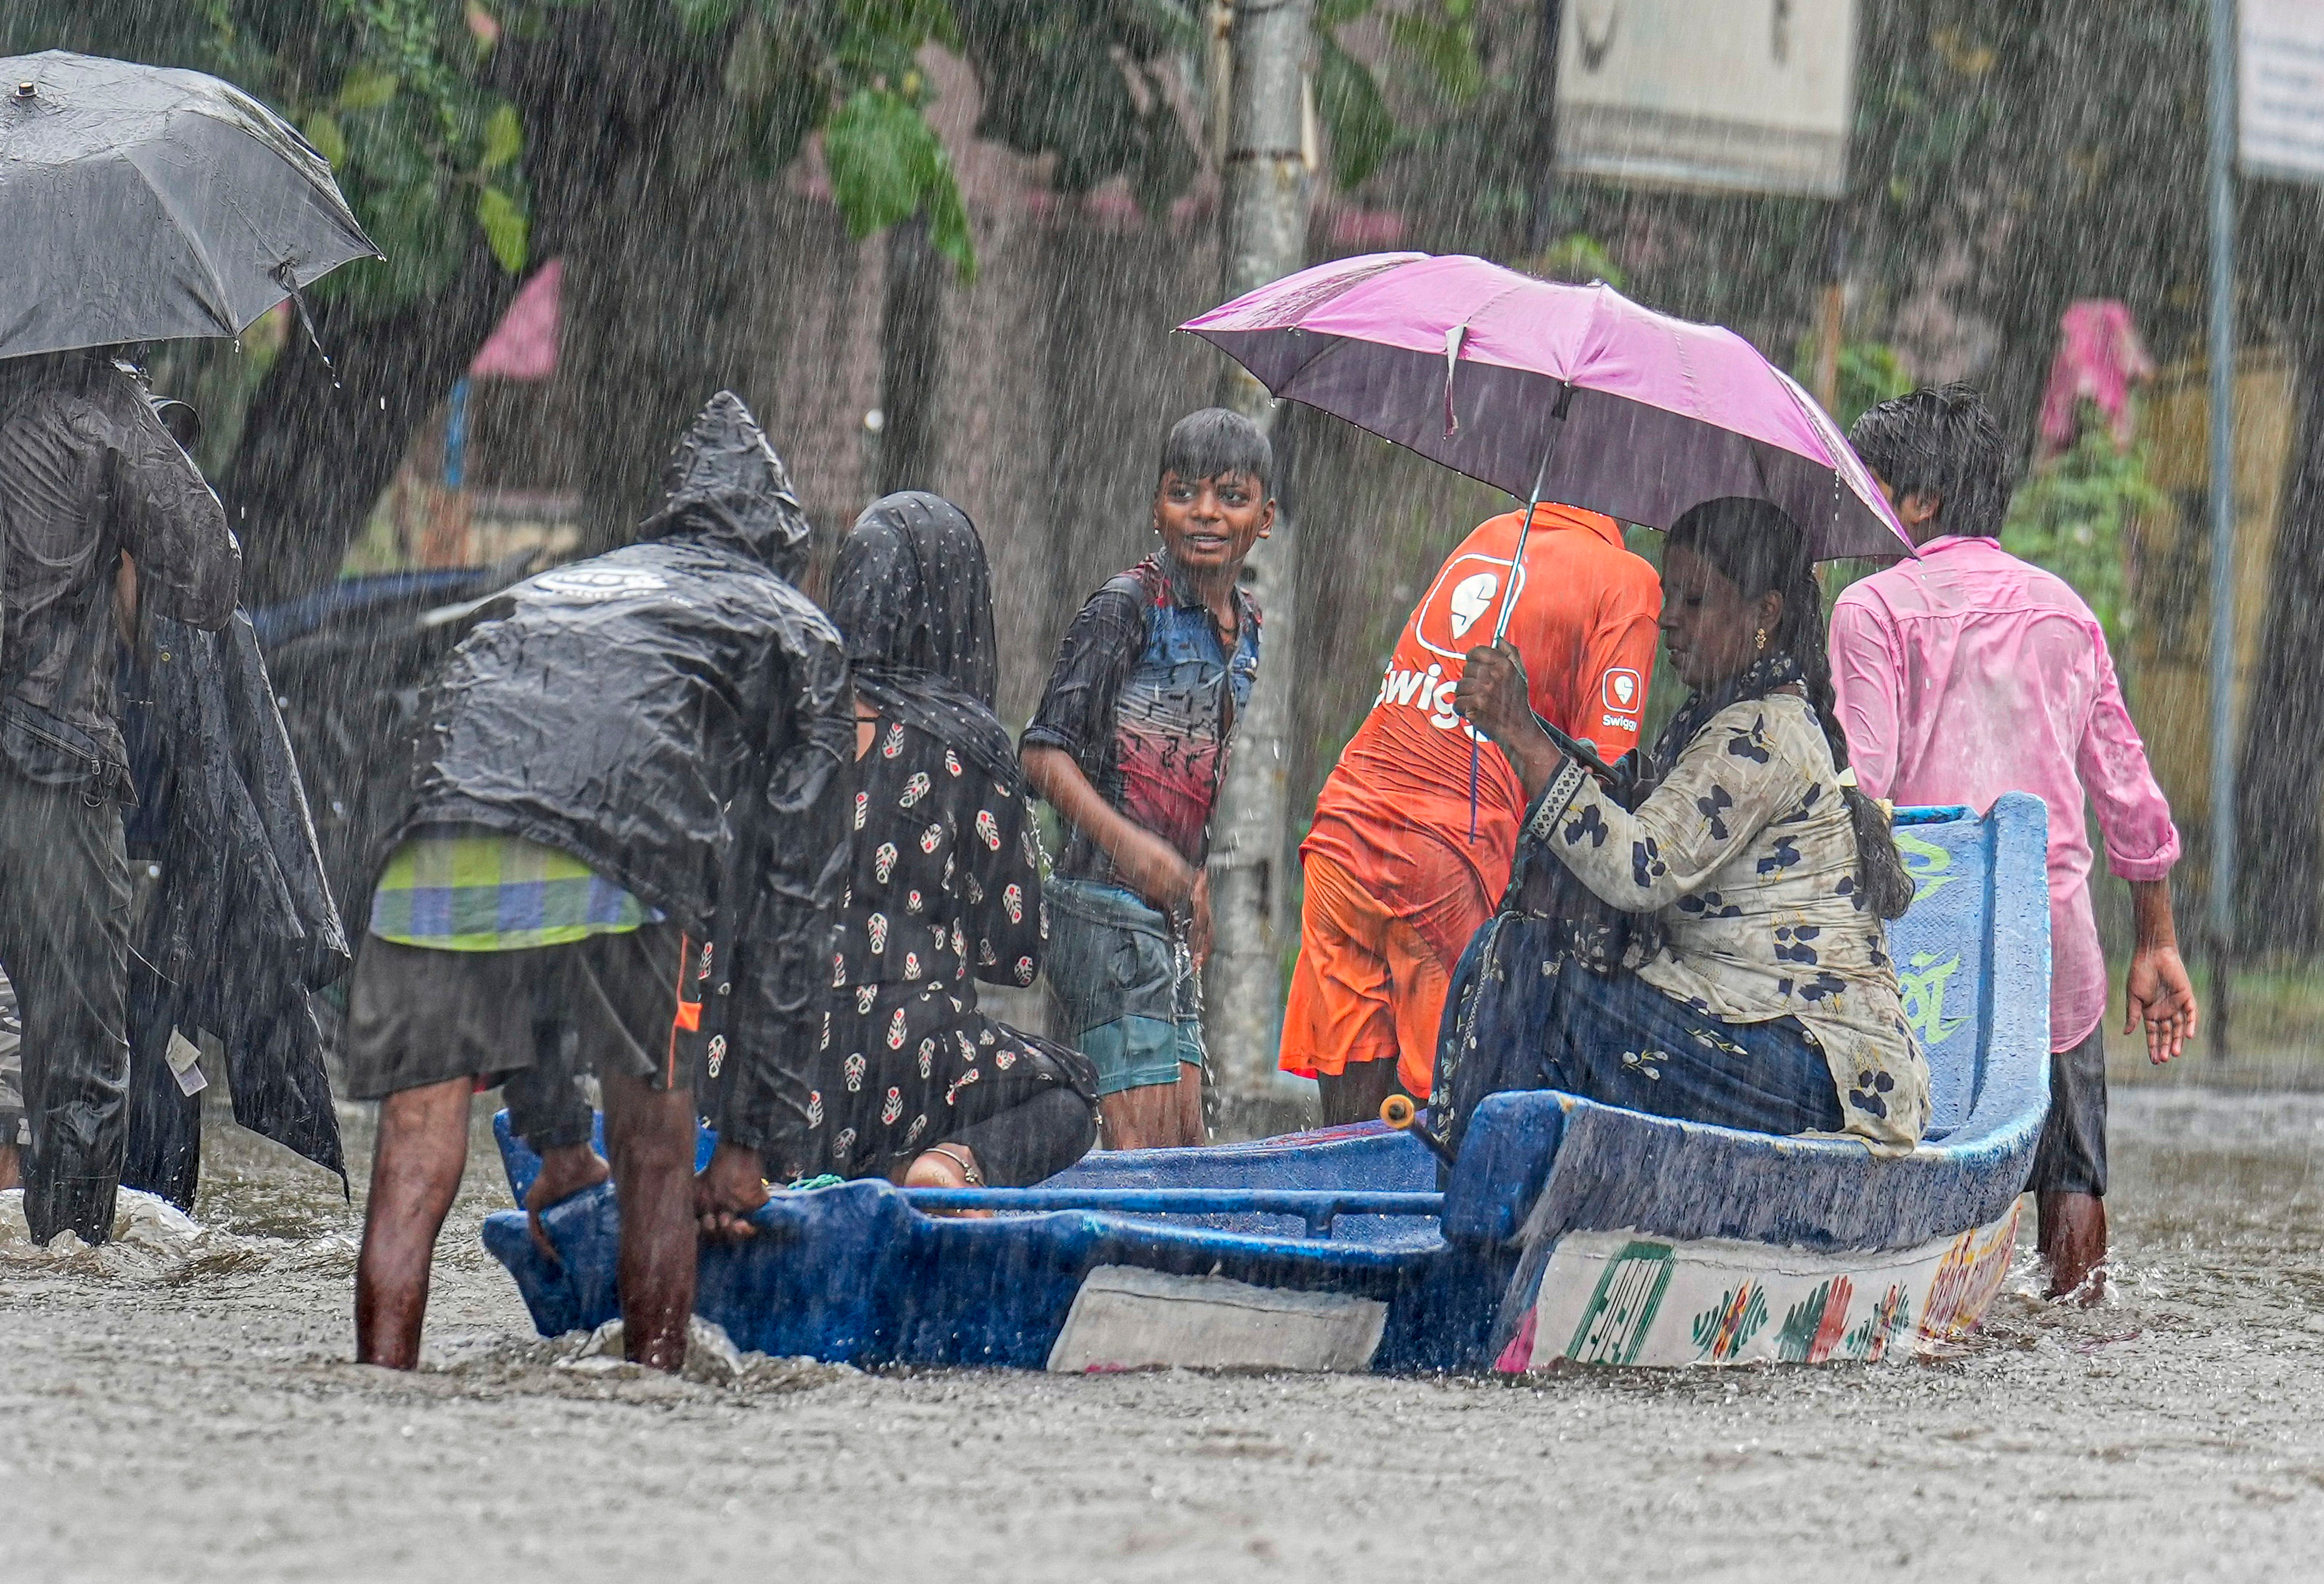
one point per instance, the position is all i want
(1438, 41)
(397, 95)
(1870, 373)
(1581, 258)
(2072, 515)
(1433, 47)
(1355, 117)
(887, 165)
(1080, 80)
(389, 91)
(503, 139)
(506, 230)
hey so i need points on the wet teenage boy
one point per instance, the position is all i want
(1964, 673)
(1130, 746)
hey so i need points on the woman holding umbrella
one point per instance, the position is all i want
(1734, 914)
(1723, 958)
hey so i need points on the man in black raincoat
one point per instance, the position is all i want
(629, 755)
(101, 514)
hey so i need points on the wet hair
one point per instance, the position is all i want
(1756, 547)
(1215, 442)
(1939, 441)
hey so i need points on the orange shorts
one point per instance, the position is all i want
(1366, 988)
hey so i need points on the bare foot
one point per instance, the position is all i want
(564, 1171)
(948, 1167)
(2073, 1239)
(728, 1191)
(12, 1171)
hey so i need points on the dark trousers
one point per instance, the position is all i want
(64, 935)
(1524, 1013)
(2071, 1158)
(1027, 1139)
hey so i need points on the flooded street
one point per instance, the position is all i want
(183, 1411)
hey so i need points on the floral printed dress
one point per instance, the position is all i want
(946, 889)
(1746, 857)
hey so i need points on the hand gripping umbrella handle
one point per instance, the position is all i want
(1516, 562)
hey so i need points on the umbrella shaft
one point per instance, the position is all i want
(1509, 595)
(1524, 530)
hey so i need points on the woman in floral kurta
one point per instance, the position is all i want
(1755, 987)
(912, 1080)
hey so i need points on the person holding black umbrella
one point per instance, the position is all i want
(100, 512)
(141, 204)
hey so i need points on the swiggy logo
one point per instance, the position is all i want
(1458, 613)
(1430, 692)
(1463, 605)
(1622, 690)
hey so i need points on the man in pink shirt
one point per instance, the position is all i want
(1967, 673)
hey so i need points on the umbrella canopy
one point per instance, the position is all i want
(143, 203)
(1638, 415)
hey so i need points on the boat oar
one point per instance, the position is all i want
(1398, 1112)
(1517, 566)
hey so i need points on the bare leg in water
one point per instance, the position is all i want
(2073, 1236)
(423, 1145)
(649, 1135)
(12, 1170)
(1157, 1116)
(415, 1171)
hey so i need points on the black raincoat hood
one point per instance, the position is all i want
(726, 485)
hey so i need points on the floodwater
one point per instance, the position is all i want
(180, 1408)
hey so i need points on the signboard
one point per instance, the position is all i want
(2280, 95)
(1752, 96)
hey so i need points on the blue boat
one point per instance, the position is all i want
(1568, 1231)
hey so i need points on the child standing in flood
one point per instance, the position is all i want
(1129, 745)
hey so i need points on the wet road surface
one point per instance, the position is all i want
(183, 1411)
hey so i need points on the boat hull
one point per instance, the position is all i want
(1570, 1230)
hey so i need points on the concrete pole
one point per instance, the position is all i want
(1265, 239)
(2222, 931)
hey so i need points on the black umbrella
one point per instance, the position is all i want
(140, 203)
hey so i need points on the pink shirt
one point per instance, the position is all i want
(1969, 673)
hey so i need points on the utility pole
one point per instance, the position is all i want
(1265, 239)
(1541, 91)
(2222, 930)
(912, 359)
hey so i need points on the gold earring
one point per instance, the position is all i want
(1763, 640)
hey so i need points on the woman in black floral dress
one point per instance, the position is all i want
(912, 1081)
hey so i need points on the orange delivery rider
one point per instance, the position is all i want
(1394, 884)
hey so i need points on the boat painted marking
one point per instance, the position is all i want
(1125, 1318)
(1625, 1298)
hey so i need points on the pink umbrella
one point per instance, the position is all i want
(1600, 402)
(1575, 389)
